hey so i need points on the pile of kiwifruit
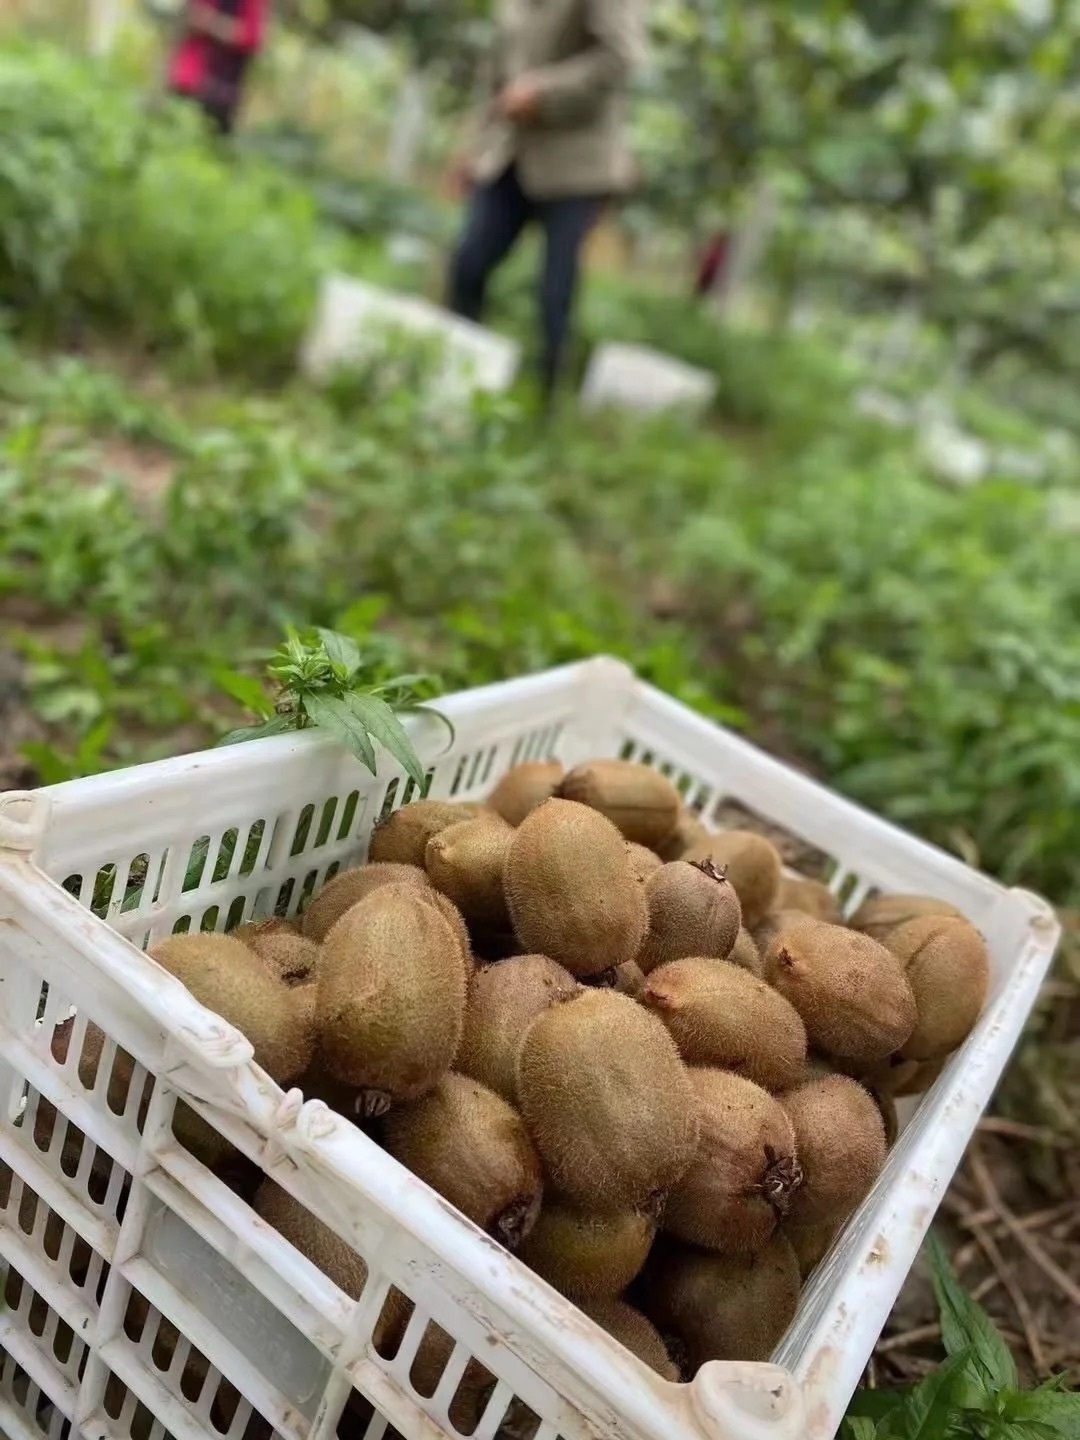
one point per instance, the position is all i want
(638, 1054)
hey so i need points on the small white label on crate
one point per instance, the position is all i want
(631, 377)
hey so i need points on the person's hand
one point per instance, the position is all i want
(520, 100)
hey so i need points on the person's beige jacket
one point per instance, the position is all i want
(581, 52)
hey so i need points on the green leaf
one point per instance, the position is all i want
(342, 652)
(435, 714)
(332, 713)
(858, 1427)
(280, 725)
(965, 1326)
(377, 717)
(874, 1404)
(245, 690)
(1049, 1405)
(929, 1410)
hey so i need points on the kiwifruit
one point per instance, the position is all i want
(588, 1256)
(810, 896)
(391, 1004)
(882, 913)
(524, 787)
(722, 1307)
(571, 891)
(922, 1078)
(403, 836)
(687, 833)
(273, 925)
(852, 994)
(766, 931)
(472, 1147)
(633, 1331)
(291, 957)
(228, 978)
(811, 1244)
(454, 918)
(325, 1249)
(947, 965)
(628, 979)
(504, 999)
(742, 1180)
(840, 1139)
(887, 1077)
(607, 1100)
(471, 1393)
(350, 887)
(746, 954)
(465, 862)
(692, 911)
(890, 1117)
(640, 801)
(752, 865)
(720, 1015)
(643, 861)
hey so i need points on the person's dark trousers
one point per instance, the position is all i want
(498, 213)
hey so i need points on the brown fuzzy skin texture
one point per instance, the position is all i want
(948, 968)
(688, 832)
(723, 1307)
(525, 787)
(776, 923)
(852, 993)
(402, 837)
(809, 896)
(840, 1137)
(275, 925)
(746, 954)
(570, 889)
(391, 1004)
(607, 1100)
(811, 1244)
(228, 978)
(922, 1078)
(325, 1249)
(465, 862)
(290, 957)
(692, 911)
(721, 1202)
(876, 917)
(641, 802)
(643, 862)
(350, 887)
(636, 1333)
(722, 1016)
(467, 1143)
(586, 1256)
(454, 918)
(752, 866)
(504, 999)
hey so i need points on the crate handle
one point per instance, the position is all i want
(24, 818)
(758, 1401)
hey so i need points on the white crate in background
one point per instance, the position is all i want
(632, 377)
(105, 1215)
(356, 322)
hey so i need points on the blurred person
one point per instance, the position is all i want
(552, 148)
(218, 40)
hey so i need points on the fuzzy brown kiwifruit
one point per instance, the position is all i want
(391, 1003)
(607, 1100)
(752, 865)
(720, 1015)
(811, 1244)
(922, 1077)
(887, 1077)
(315, 1240)
(454, 918)
(746, 954)
(722, 1307)
(273, 925)
(744, 1175)
(948, 967)
(882, 913)
(525, 787)
(890, 1118)
(350, 887)
(402, 838)
(635, 1332)
(465, 862)
(852, 993)
(228, 978)
(585, 1255)
(840, 1139)
(809, 896)
(688, 832)
(767, 931)
(503, 1000)
(628, 979)
(641, 802)
(467, 1143)
(692, 911)
(570, 889)
(291, 957)
(643, 861)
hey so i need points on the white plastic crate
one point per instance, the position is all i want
(644, 381)
(132, 1223)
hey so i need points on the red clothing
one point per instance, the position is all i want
(210, 71)
(713, 264)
